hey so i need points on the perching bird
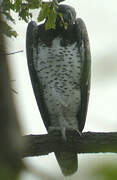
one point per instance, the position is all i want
(59, 63)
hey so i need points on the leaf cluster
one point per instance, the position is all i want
(49, 12)
(24, 10)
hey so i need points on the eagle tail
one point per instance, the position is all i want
(68, 162)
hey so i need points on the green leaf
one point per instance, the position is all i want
(62, 21)
(48, 11)
(44, 12)
(52, 15)
(34, 4)
(41, 16)
(17, 5)
(7, 30)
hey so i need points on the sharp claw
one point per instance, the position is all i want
(78, 132)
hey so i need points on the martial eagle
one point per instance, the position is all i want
(59, 64)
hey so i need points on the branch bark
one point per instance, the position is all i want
(88, 142)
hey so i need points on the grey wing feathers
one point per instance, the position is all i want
(31, 42)
(84, 49)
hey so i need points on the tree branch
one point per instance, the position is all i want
(88, 142)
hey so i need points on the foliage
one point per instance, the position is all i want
(6, 29)
(24, 9)
(105, 171)
(48, 11)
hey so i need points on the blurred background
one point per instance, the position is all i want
(100, 18)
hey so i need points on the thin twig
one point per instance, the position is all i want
(7, 54)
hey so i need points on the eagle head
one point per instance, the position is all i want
(68, 15)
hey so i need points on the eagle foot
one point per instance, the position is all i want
(63, 131)
(74, 131)
(58, 130)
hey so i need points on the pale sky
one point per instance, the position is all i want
(101, 21)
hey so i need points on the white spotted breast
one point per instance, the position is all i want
(59, 72)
